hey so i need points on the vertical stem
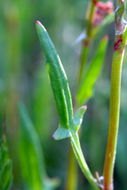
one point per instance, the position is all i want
(90, 17)
(114, 115)
(86, 41)
(72, 175)
(82, 162)
(119, 48)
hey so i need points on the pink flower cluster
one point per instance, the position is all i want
(102, 10)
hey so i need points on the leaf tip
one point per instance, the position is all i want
(38, 22)
(83, 107)
(40, 26)
(78, 117)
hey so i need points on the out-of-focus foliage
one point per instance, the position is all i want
(23, 78)
(31, 155)
(5, 166)
(92, 73)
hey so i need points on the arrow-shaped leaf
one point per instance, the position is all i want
(59, 83)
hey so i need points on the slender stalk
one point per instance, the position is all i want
(114, 120)
(119, 47)
(82, 162)
(90, 17)
(86, 41)
(71, 180)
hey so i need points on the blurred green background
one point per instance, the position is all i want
(23, 78)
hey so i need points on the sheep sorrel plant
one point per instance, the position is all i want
(70, 118)
(90, 99)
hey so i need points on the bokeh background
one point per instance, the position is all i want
(23, 78)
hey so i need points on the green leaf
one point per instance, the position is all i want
(31, 155)
(77, 121)
(61, 133)
(78, 117)
(107, 20)
(92, 73)
(5, 166)
(59, 82)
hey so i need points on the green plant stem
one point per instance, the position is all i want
(71, 181)
(113, 118)
(81, 160)
(86, 41)
(92, 8)
(119, 49)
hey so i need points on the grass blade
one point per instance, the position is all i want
(31, 156)
(5, 166)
